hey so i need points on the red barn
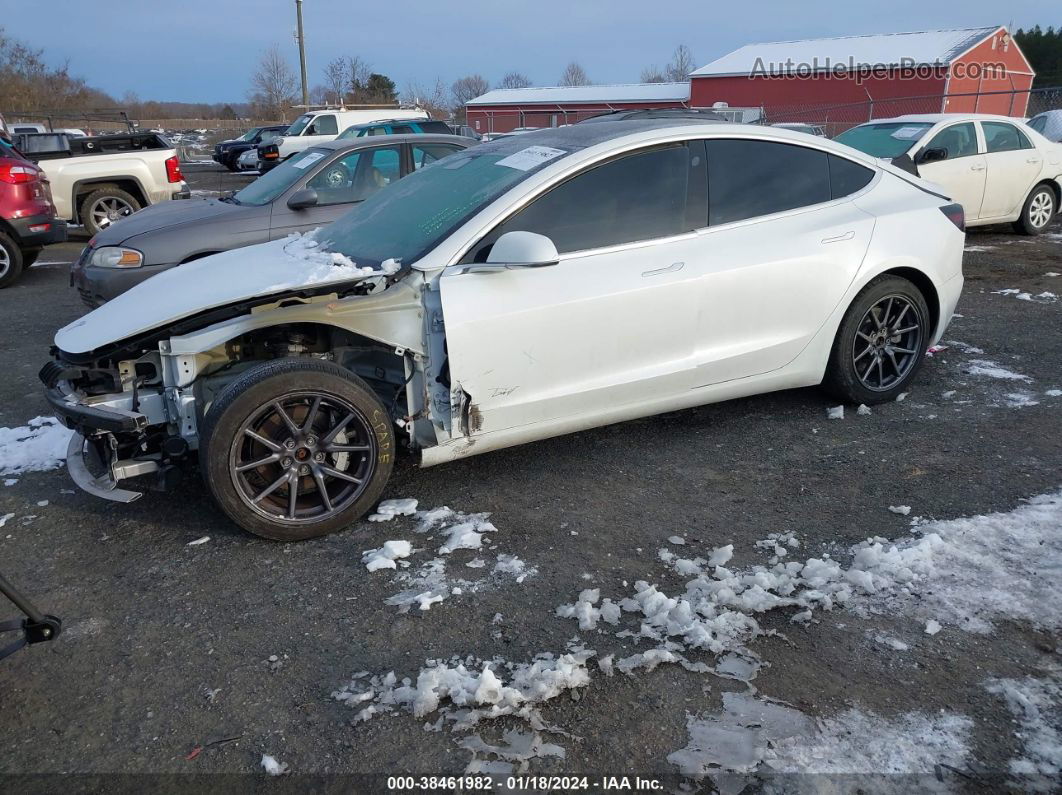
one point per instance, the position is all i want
(797, 80)
(505, 109)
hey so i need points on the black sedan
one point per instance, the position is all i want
(310, 189)
(228, 152)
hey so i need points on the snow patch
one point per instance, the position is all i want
(385, 556)
(389, 509)
(37, 446)
(1037, 707)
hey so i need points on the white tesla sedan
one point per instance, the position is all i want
(996, 167)
(524, 288)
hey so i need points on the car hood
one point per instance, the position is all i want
(280, 266)
(173, 213)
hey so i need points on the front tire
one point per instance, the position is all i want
(1039, 208)
(881, 342)
(11, 261)
(296, 448)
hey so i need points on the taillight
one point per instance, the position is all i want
(173, 169)
(955, 214)
(17, 175)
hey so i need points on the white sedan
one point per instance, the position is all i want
(996, 167)
(528, 287)
(248, 161)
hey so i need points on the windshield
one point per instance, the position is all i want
(410, 217)
(249, 135)
(267, 187)
(299, 124)
(884, 139)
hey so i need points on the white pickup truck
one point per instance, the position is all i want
(98, 180)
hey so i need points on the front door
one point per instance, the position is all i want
(962, 175)
(340, 184)
(610, 325)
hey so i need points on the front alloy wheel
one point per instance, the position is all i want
(296, 448)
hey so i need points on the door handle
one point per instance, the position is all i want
(674, 266)
(977, 167)
(1032, 160)
(839, 238)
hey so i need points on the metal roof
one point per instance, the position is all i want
(603, 94)
(937, 47)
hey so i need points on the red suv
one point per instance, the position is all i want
(27, 215)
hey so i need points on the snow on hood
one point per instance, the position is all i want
(211, 282)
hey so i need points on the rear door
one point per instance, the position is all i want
(611, 324)
(783, 244)
(342, 183)
(962, 175)
(1013, 168)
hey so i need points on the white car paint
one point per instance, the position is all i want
(600, 336)
(991, 186)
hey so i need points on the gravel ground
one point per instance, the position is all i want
(169, 647)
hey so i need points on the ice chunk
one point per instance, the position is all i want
(835, 413)
(385, 556)
(272, 766)
(389, 509)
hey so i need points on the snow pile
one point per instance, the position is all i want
(385, 556)
(389, 509)
(855, 742)
(585, 611)
(272, 766)
(470, 690)
(466, 534)
(310, 264)
(1037, 707)
(37, 446)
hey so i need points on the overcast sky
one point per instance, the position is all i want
(205, 50)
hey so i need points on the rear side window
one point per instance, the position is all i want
(637, 197)
(1003, 137)
(747, 179)
(847, 177)
(426, 154)
(432, 126)
(401, 129)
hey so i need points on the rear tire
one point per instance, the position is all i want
(287, 432)
(11, 261)
(881, 342)
(1039, 208)
(104, 206)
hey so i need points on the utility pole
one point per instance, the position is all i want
(302, 52)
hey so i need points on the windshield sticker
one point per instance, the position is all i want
(309, 160)
(908, 133)
(527, 159)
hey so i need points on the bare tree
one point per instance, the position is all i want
(435, 99)
(653, 74)
(273, 85)
(358, 73)
(574, 75)
(335, 85)
(681, 65)
(514, 80)
(468, 88)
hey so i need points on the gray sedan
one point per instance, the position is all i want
(310, 189)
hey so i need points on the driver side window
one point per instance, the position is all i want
(324, 125)
(639, 196)
(959, 139)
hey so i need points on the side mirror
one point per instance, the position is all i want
(301, 199)
(934, 155)
(517, 250)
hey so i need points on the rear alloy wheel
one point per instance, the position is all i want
(297, 448)
(1037, 212)
(105, 206)
(11, 261)
(881, 342)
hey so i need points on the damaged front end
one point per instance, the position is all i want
(126, 423)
